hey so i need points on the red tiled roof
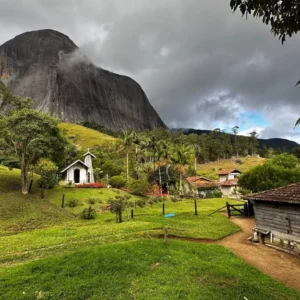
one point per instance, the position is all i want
(228, 171)
(288, 194)
(200, 181)
(231, 182)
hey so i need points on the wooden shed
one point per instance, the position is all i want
(277, 215)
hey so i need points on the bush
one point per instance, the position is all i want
(141, 203)
(117, 181)
(116, 191)
(139, 187)
(214, 194)
(48, 171)
(95, 185)
(94, 200)
(88, 213)
(175, 198)
(110, 168)
(73, 202)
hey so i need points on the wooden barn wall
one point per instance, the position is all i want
(273, 216)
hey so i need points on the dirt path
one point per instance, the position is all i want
(277, 264)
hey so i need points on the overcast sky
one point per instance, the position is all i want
(200, 65)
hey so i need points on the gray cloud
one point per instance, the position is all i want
(200, 64)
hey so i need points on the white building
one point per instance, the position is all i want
(228, 181)
(79, 171)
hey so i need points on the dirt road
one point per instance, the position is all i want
(277, 264)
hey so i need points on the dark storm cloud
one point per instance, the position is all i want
(200, 65)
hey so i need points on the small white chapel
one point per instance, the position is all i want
(79, 171)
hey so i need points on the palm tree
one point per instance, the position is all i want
(152, 145)
(235, 132)
(181, 156)
(127, 140)
(166, 151)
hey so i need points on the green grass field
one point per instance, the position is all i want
(84, 137)
(47, 252)
(212, 168)
(144, 269)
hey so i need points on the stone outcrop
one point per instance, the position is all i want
(48, 67)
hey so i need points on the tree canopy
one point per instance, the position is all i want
(283, 16)
(30, 135)
(279, 171)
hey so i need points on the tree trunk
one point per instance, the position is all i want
(167, 172)
(180, 183)
(136, 162)
(120, 217)
(127, 168)
(24, 175)
(195, 163)
(159, 175)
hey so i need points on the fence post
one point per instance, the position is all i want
(228, 209)
(196, 209)
(163, 209)
(132, 214)
(63, 201)
(166, 235)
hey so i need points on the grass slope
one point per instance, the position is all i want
(84, 137)
(212, 168)
(31, 227)
(145, 269)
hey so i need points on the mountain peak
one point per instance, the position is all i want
(46, 66)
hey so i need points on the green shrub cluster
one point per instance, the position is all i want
(88, 213)
(117, 181)
(73, 202)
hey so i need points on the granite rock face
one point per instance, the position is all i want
(48, 67)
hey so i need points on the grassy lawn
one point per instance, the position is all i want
(212, 168)
(144, 269)
(31, 228)
(48, 252)
(84, 137)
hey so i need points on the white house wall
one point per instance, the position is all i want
(70, 174)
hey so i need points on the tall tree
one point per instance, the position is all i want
(29, 135)
(181, 156)
(253, 142)
(235, 144)
(127, 140)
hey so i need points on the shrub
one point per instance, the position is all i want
(88, 213)
(116, 191)
(94, 200)
(73, 202)
(95, 185)
(214, 194)
(139, 187)
(175, 198)
(141, 203)
(117, 181)
(48, 171)
(118, 205)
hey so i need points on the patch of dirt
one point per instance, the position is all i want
(275, 263)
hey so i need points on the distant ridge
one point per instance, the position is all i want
(275, 143)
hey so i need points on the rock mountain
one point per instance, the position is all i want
(48, 67)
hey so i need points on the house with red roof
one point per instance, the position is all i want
(200, 184)
(228, 181)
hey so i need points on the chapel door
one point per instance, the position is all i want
(77, 176)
